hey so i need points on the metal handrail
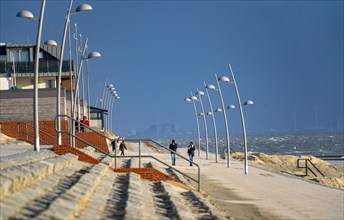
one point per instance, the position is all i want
(129, 140)
(307, 167)
(31, 135)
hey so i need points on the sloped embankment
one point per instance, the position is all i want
(334, 174)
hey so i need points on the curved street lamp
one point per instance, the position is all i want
(29, 15)
(214, 123)
(112, 92)
(90, 56)
(191, 99)
(110, 89)
(212, 87)
(248, 102)
(114, 97)
(200, 93)
(80, 8)
(103, 96)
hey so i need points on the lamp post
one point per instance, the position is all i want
(29, 15)
(248, 102)
(115, 96)
(88, 91)
(200, 93)
(212, 87)
(89, 56)
(214, 123)
(112, 93)
(191, 99)
(103, 97)
(111, 89)
(80, 8)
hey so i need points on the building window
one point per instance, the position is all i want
(50, 83)
(96, 115)
(19, 55)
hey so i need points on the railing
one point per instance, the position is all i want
(307, 162)
(27, 134)
(73, 121)
(45, 66)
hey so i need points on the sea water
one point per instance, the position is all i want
(296, 144)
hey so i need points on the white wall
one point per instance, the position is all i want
(5, 83)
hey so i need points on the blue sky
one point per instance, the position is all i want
(287, 56)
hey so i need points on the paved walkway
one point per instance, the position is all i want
(260, 194)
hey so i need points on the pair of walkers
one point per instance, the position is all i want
(173, 147)
(122, 146)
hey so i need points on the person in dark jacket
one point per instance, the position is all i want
(122, 147)
(191, 152)
(113, 144)
(173, 148)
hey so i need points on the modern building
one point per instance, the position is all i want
(17, 80)
(17, 67)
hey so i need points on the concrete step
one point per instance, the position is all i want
(98, 203)
(19, 204)
(23, 158)
(85, 191)
(139, 204)
(70, 203)
(16, 178)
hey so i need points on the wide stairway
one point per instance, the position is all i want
(44, 185)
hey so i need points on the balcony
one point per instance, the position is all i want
(26, 69)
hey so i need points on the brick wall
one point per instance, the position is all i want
(48, 134)
(94, 139)
(63, 149)
(47, 137)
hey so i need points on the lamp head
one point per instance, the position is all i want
(110, 86)
(26, 14)
(201, 93)
(249, 102)
(194, 98)
(231, 107)
(224, 79)
(93, 55)
(209, 113)
(218, 110)
(187, 100)
(83, 7)
(210, 86)
(50, 43)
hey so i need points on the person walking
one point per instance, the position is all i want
(122, 147)
(113, 144)
(173, 148)
(191, 152)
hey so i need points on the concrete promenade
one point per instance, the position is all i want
(261, 194)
